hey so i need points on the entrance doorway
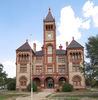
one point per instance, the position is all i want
(49, 83)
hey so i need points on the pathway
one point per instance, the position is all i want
(38, 96)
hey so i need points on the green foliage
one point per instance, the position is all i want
(11, 84)
(33, 85)
(58, 90)
(66, 87)
(3, 76)
(92, 49)
(91, 68)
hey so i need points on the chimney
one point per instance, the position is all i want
(27, 40)
(73, 38)
(66, 44)
(60, 47)
(42, 48)
(34, 47)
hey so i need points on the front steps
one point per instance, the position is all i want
(48, 90)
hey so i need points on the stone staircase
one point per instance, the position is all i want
(48, 90)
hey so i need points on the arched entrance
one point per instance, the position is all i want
(61, 81)
(37, 81)
(49, 83)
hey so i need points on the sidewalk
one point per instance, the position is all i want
(39, 96)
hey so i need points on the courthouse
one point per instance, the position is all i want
(51, 67)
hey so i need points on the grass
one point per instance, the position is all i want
(48, 95)
(6, 94)
(4, 97)
(73, 97)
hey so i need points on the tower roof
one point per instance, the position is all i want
(49, 17)
(74, 45)
(24, 47)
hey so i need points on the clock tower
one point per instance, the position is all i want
(49, 44)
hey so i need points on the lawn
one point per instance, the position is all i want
(75, 95)
(4, 97)
(5, 94)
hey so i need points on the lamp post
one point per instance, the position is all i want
(31, 72)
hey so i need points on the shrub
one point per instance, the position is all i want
(66, 87)
(34, 87)
(58, 90)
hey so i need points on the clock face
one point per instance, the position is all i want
(49, 35)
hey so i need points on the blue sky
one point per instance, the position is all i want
(20, 18)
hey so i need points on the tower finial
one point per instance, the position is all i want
(73, 38)
(49, 9)
(26, 40)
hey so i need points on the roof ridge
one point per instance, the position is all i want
(24, 45)
(74, 46)
(49, 17)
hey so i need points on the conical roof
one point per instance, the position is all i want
(49, 17)
(74, 45)
(24, 47)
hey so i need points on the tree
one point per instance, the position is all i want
(11, 85)
(33, 85)
(91, 68)
(3, 76)
(92, 49)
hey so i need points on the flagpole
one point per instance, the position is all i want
(31, 71)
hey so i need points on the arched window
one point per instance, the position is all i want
(76, 81)
(20, 57)
(23, 81)
(73, 56)
(49, 50)
(61, 81)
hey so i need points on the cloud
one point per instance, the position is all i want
(69, 26)
(38, 44)
(10, 68)
(89, 10)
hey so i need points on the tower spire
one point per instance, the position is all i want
(49, 17)
(49, 10)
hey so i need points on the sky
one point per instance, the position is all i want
(21, 18)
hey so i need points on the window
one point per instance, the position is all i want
(38, 59)
(61, 68)
(23, 68)
(49, 69)
(23, 57)
(23, 81)
(38, 69)
(75, 56)
(61, 59)
(49, 27)
(76, 81)
(75, 67)
(49, 59)
(49, 50)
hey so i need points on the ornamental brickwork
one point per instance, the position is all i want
(51, 67)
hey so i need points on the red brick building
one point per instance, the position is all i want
(51, 67)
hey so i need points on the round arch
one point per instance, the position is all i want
(49, 82)
(37, 81)
(23, 81)
(76, 76)
(76, 80)
(61, 81)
